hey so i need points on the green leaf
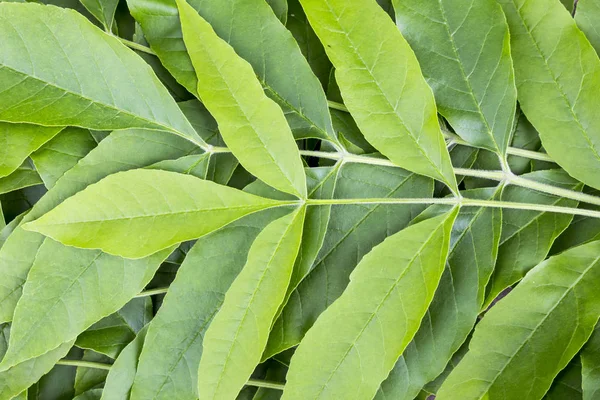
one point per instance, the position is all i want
(457, 301)
(353, 230)
(103, 10)
(252, 125)
(111, 334)
(527, 236)
(280, 8)
(398, 119)
(120, 151)
(122, 373)
(463, 49)
(256, 34)
(590, 366)
(61, 154)
(95, 88)
(567, 384)
(168, 366)
(18, 141)
(18, 378)
(557, 71)
(58, 383)
(358, 339)
(196, 165)
(162, 208)
(588, 12)
(236, 338)
(89, 378)
(21, 178)
(512, 354)
(68, 290)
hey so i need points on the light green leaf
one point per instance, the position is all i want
(463, 49)
(111, 334)
(120, 377)
(58, 383)
(18, 141)
(353, 230)
(511, 354)
(120, 151)
(527, 236)
(382, 85)
(162, 209)
(92, 394)
(103, 10)
(590, 366)
(256, 34)
(18, 378)
(358, 339)
(252, 125)
(236, 338)
(586, 17)
(457, 301)
(557, 72)
(20, 178)
(61, 153)
(68, 290)
(309, 43)
(168, 367)
(95, 88)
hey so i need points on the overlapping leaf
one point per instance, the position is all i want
(382, 85)
(464, 51)
(508, 356)
(358, 339)
(101, 85)
(557, 71)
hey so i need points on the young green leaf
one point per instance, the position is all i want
(136, 213)
(358, 339)
(557, 71)
(61, 153)
(18, 141)
(588, 12)
(168, 366)
(382, 85)
(457, 301)
(122, 373)
(252, 125)
(463, 49)
(236, 338)
(256, 34)
(66, 295)
(508, 356)
(527, 236)
(353, 230)
(196, 165)
(590, 366)
(120, 151)
(96, 88)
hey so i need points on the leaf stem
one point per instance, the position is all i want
(136, 46)
(265, 384)
(513, 151)
(86, 364)
(97, 365)
(464, 202)
(152, 292)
